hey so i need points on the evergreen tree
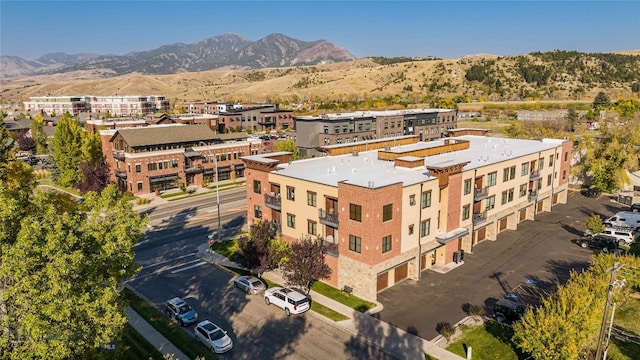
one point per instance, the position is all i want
(602, 101)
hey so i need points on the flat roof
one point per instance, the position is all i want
(371, 114)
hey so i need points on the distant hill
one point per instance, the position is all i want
(555, 75)
(226, 51)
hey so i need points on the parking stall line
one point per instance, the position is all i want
(189, 267)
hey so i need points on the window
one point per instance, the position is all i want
(492, 178)
(504, 197)
(512, 172)
(566, 156)
(549, 180)
(355, 212)
(425, 226)
(525, 169)
(467, 186)
(257, 211)
(291, 193)
(139, 185)
(550, 160)
(466, 210)
(411, 229)
(257, 188)
(491, 202)
(425, 201)
(138, 168)
(523, 190)
(511, 191)
(291, 221)
(387, 212)
(505, 175)
(412, 200)
(564, 174)
(355, 243)
(507, 196)
(312, 227)
(311, 199)
(386, 244)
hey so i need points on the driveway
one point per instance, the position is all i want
(530, 261)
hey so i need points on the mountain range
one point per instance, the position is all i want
(226, 51)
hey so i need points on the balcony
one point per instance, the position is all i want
(534, 175)
(273, 201)
(121, 173)
(533, 195)
(329, 218)
(118, 155)
(330, 247)
(481, 193)
(193, 169)
(479, 218)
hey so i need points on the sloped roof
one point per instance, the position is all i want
(157, 135)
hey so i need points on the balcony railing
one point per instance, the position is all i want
(479, 218)
(193, 169)
(533, 195)
(534, 175)
(481, 193)
(121, 173)
(330, 247)
(329, 218)
(118, 155)
(273, 201)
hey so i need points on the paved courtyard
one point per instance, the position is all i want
(530, 261)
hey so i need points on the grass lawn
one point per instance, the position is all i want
(327, 312)
(491, 341)
(342, 297)
(188, 345)
(227, 249)
(132, 346)
(626, 317)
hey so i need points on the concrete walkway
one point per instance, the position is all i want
(153, 336)
(394, 341)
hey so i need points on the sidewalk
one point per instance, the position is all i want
(396, 342)
(153, 336)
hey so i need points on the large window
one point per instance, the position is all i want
(138, 168)
(291, 221)
(257, 186)
(425, 201)
(355, 243)
(312, 227)
(257, 211)
(465, 212)
(387, 212)
(425, 227)
(491, 202)
(467, 186)
(291, 193)
(311, 199)
(355, 212)
(386, 243)
(492, 178)
(508, 174)
(524, 170)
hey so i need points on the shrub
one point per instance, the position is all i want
(445, 329)
(476, 310)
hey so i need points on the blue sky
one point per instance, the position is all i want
(446, 29)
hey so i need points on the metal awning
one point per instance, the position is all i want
(157, 179)
(445, 237)
(209, 171)
(191, 153)
(238, 166)
(224, 169)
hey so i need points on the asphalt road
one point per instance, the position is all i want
(543, 251)
(171, 268)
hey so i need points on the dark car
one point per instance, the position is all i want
(634, 208)
(601, 242)
(508, 311)
(592, 192)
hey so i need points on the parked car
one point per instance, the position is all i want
(592, 192)
(180, 311)
(635, 207)
(624, 219)
(213, 337)
(250, 284)
(291, 300)
(625, 234)
(507, 311)
(602, 242)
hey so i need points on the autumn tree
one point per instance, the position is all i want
(290, 146)
(38, 135)
(61, 270)
(594, 224)
(66, 147)
(259, 249)
(306, 264)
(93, 167)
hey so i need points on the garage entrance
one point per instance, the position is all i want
(382, 281)
(502, 224)
(523, 215)
(401, 272)
(481, 235)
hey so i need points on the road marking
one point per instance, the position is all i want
(166, 261)
(189, 267)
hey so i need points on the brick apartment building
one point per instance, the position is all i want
(388, 209)
(246, 116)
(161, 157)
(95, 125)
(314, 132)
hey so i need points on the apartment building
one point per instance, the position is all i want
(115, 105)
(161, 157)
(314, 132)
(94, 125)
(259, 118)
(388, 209)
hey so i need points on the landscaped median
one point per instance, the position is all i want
(167, 328)
(187, 193)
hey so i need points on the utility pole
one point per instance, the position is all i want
(603, 327)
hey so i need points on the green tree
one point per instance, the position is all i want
(572, 119)
(515, 130)
(601, 101)
(259, 250)
(67, 150)
(7, 149)
(289, 146)
(38, 135)
(61, 273)
(306, 264)
(594, 223)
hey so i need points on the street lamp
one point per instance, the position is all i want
(215, 162)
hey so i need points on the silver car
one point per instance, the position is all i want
(250, 284)
(213, 337)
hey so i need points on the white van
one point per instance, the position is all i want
(625, 219)
(625, 234)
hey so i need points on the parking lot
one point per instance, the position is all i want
(530, 262)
